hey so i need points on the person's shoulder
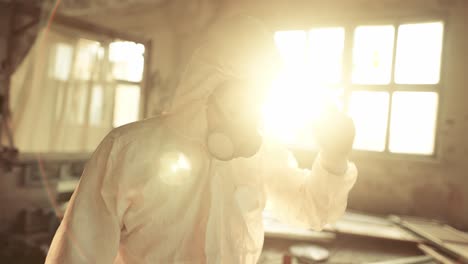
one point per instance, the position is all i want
(136, 133)
(128, 148)
(136, 128)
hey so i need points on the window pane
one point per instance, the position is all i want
(372, 54)
(412, 128)
(96, 107)
(369, 111)
(326, 54)
(127, 59)
(127, 104)
(419, 48)
(292, 47)
(60, 101)
(76, 103)
(88, 56)
(61, 62)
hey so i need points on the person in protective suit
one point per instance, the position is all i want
(190, 186)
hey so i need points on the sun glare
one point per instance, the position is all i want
(297, 97)
(311, 80)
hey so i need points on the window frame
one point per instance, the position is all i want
(350, 24)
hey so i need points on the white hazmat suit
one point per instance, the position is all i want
(151, 193)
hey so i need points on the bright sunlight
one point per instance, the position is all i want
(297, 96)
(312, 78)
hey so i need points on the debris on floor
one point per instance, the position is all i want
(362, 238)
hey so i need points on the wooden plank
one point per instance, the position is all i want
(410, 260)
(436, 255)
(392, 232)
(275, 229)
(371, 226)
(461, 249)
(455, 250)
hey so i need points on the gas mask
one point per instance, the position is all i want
(232, 133)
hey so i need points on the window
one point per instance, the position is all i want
(126, 105)
(418, 56)
(326, 54)
(127, 60)
(94, 76)
(369, 110)
(412, 126)
(389, 84)
(372, 54)
(80, 85)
